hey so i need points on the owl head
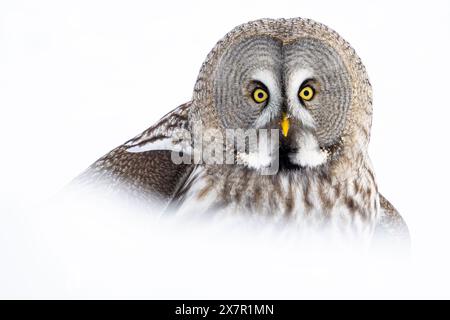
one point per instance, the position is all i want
(296, 76)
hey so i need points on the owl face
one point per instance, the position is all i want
(300, 87)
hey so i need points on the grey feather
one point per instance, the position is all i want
(391, 227)
(150, 176)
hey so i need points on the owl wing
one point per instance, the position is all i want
(391, 227)
(142, 167)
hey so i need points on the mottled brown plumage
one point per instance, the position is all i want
(150, 176)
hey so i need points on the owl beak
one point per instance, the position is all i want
(285, 124)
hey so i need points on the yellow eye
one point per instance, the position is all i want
(306, 93)
(260, 95)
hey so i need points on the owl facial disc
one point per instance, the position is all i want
(301, 87)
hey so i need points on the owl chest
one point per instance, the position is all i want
(303, 202)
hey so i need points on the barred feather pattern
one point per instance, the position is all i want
(307, 198)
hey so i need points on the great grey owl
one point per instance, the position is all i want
(293, 77)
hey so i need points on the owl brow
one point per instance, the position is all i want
(259, 83)
(306, 81)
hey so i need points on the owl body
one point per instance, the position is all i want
(294, 77)
(307, 200)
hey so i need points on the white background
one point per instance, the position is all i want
(78, 78)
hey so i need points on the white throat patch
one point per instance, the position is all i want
(309, 154)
